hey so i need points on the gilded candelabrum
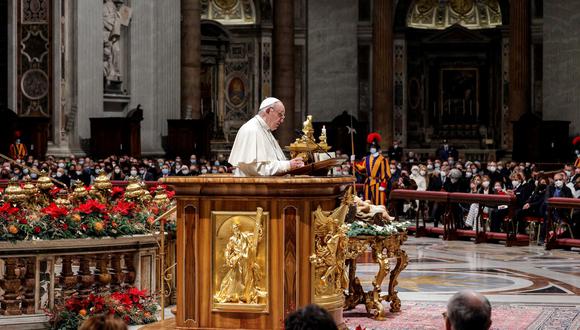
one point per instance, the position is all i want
(134, 189)
(101, 189)
(79, 193)
(306, 145)
(13, 193)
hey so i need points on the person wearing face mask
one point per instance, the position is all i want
(377, 170)
(165, 171)
(63, 178)
(395, 152)
(445, 151)
(184, 171)
(145, 175)
(418, 176)
(17, 149)
(117, 174)
(559, 189)
(521, 191)
(534, 206)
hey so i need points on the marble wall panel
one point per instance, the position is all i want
(332, 58)
(562, 62)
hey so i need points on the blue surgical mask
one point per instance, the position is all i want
(165, 171)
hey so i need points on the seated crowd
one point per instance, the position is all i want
(530, 186)
(118, 168)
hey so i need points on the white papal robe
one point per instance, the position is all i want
(256, 151)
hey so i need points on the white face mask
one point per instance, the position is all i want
(485, 184)
(559, 183)
(568, 173)
(415, 172)
(373, 150)
(422, 172)
(185, 172)
(117, 171)
(393, 170)
(515, 184)
(204, 171)
(429, 167)
(133, 173)
(468, 174)
(453, 180)
(491, 168)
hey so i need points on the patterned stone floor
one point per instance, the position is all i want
(529, 274)
(529, 287)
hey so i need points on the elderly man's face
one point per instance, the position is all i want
(274, 115)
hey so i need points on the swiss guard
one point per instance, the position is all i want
(17, 149)
(376, 167)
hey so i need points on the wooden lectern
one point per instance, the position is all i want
(245, 246)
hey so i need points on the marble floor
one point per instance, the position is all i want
(515, 275)
(529, 287)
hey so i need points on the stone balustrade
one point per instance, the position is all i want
(37, 275)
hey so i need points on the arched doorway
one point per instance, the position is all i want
(451, 72)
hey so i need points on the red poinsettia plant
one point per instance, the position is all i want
(131, 305)
(91, 216)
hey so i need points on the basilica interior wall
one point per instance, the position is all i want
(332, 58)
(150, 69)
(561, 99)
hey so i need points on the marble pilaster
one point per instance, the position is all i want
(154, 68)
(382, 75)
(12, 51)
(519, 59)
(89, 64)
(284, 65)
(190, 57)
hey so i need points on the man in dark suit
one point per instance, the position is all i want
(521, 191)
(395, 152)
(445, 151)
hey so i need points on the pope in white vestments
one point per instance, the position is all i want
(256, 152)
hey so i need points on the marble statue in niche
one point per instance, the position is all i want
(111, 46)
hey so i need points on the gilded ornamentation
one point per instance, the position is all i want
(384, 248)
(229, 12)
(244, 275)
(330, 250)
(472, 14)
(304, 146)
(461, 7)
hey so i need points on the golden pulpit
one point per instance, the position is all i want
(249, 249)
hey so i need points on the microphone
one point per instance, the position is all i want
(299, 132)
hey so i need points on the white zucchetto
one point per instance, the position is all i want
(268, 102)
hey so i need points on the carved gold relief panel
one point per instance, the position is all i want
(240, 261)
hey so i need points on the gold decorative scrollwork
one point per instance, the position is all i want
(384, 248)
(330, 249)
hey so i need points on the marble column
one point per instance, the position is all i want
(284, 66)
(190, 57)
(519, 66)
(382, 85)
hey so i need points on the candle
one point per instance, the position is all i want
(323, 129)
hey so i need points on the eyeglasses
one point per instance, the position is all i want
(280, 115)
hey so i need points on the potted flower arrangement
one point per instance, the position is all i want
(133, 306)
